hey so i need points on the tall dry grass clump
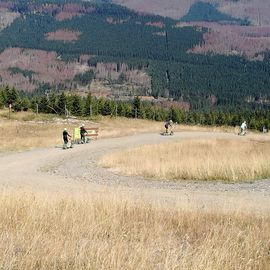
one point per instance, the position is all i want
(204, 159)
(39, 232)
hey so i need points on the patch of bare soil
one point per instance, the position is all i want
(156, 24)
(6, 17)
(45, 66)
(63, 35)
(71, 10)
(173, 8)
(248, 41)
(257, 11)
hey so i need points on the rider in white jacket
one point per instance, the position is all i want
(243, 127)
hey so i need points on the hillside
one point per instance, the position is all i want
(117, 53)
(256, 11)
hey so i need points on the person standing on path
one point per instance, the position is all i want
(83, 132)
(65, 138)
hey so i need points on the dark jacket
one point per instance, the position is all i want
(65, 135)
(83, 130)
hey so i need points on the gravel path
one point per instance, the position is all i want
(75, 171)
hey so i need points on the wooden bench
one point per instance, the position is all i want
(92, 132)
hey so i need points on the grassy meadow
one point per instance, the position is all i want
(26, 130)
(44, 231)
(231, 160)
(39, 231)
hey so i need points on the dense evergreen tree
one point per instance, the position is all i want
(61, 104)
(84, 78)
(52, 103)
(25, 104)
(80, 106)
(75, 105)
(137, 107)
(87, 109)
(3, 98)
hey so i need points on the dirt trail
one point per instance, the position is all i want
(75, 171)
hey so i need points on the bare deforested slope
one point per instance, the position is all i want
(256, 11)
(170, 8)
(248, 41)
(24, 69)
(6, 18)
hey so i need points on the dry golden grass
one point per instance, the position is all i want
(26, 130)
(118, 127)
(225, 129)
(204, 159)
(59, 232)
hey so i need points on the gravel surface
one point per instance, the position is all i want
(75, 171)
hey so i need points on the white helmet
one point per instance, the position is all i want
(65, 129)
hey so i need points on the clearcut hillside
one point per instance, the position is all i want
(115, 52)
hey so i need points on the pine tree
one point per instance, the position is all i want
(52, 104)
(25, 103)
(177, 115)
(12, 96)
(136, 107)
(43, 105)
(75, 105)
(2, 98)
(88, 106)
(108, 108)
(61, 104)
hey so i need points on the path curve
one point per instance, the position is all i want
(75, 171)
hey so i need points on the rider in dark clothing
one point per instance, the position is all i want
(168, 125)
(83, 132)
(65, 137)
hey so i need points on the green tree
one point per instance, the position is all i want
(12, 96)
(137, 106)
(177, 115)
(43, 105)
(61, 104)
(2, 98)
(52, 103)
(25, 103)
(108, 107)
(75, 105)
(88, 105)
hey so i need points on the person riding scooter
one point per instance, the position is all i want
(243, 128)
(168, 126)
(65, 138)
(83, 132)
